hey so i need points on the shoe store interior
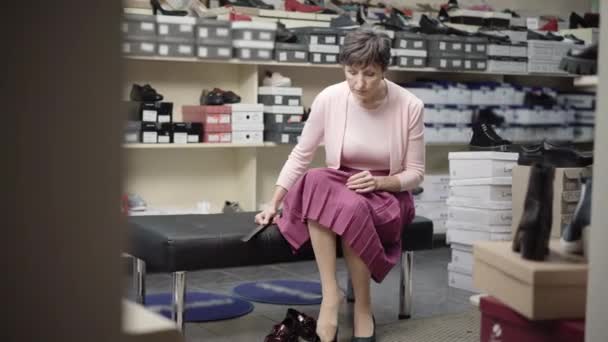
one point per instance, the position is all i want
(167, 164)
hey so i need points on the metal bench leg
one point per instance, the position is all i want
(350, 294)
(177, 303)
(139, 280)
(405, 284)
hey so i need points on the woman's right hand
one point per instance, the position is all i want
(266, 216)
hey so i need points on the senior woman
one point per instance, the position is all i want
(373, 134)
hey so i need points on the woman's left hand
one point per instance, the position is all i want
(363, 182)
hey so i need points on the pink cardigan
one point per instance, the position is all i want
(327, 122)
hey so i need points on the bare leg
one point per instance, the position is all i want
(324, 245)
(360, 278)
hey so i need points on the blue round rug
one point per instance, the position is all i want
(284, 292)
(201, 306)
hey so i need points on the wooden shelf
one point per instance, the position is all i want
(333, 66)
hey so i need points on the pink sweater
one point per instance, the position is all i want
(327, 124)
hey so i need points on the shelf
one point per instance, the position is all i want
(334, 66)
(140, 146)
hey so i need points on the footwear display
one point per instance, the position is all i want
(484, 137)
(343, 21)
(246, 3)
(396, 21)
(367, 339)
(581, 61)
(296, 6)
(144, 93)
(284, 35)
(433, 26)
(156, 7)
(534, 35)
(211, 98)
(572, 236)
(539, 98)
(283, 332)
(228, 96)
(555, 154)
(275, 79)
(531, 238)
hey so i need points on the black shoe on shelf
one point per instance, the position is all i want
(227, 95)
(284, 35)
(486, 139)
(396, 22)
(534, 35)
(144, 93)
(211, 98)
(343, 21)
(531, 238)
(572, 236)
(434, 26)
(557, 154)
(261, 4)
(539, 99)
(581, 61)
(576, 21)
(570, 38)
(156, 7)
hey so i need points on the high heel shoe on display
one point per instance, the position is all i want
(156, 7)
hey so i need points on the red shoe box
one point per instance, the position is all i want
(217, 137)
(214, 118)
(499, 323)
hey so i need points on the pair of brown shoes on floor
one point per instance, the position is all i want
(295, 325)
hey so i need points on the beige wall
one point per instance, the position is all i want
(61, 252)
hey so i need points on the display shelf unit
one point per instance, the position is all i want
(179, 176)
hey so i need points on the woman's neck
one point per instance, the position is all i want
(377, 98)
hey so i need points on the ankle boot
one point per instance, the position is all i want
(572, 237)
(532, 236)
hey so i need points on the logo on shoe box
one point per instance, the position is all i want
(496, 333)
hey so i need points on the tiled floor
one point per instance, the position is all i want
(432, 296)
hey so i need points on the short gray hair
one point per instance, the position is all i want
(366, 47)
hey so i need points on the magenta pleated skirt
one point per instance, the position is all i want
(370, 223)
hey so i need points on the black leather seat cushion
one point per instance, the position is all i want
(194, 242)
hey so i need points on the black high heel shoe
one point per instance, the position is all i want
(156, 7)
(367, 339)
(318, 339)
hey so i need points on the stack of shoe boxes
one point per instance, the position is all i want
(214, 39)
(409, 50)
(149, 122)
(283, 113)
(216, 121)
(544, 56)
(247, 123)
(323, 44)
(431, 202)
(457, 53)
(507, 57)
(254, 40)
(479, 207)
(175, 36)
(582, 104)
(291, 53)
(139, 35)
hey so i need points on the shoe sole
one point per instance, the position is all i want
(578, 66)
(571, 247)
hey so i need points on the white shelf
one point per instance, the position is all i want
(139, 146)
(333, 66)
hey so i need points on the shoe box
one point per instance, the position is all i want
(448, 114)
(441, 93)
(217, 137)
(467, 165)
(151, 111)
(214, 39)
(545, 56)
(446, 52)
(139, 25)
(460, 278)
(283, 123)
(318, 35)
(577, 100)
(583, 133)
(442, 133)
(462, 256)
(132, 132)
(214, 118)
(501, 323)
(253, 50)
(149, 132)
(247, 123)
(253, 40)
(139, 46)
(479, 213)
(187, 132)
(409, 50)
(553, 289)
(176, 27)
(291, 53)
(323, 58)
(525, 134)
(281, 137)
(566, 194)
(507, 64)
(280, 96)
(482, 189)
(436, 211)
(436, 188)
(469, 237)
(175, 47)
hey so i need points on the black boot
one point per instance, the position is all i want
(484, 137)
(532, 236)
(581, 61)
(572, 237)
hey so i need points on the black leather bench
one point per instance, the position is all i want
(180, 243)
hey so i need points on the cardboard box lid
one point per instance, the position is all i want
(508, 156)
(559, 269)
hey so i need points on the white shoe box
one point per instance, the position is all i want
(460, 278)
(466, 165)
(434, 211)
(458, 225)
(482, 189)
(468, 237)
(436, 188)
(247, 107)
(462, 259)
(248, 137)
(430, 93)
(489, 217)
